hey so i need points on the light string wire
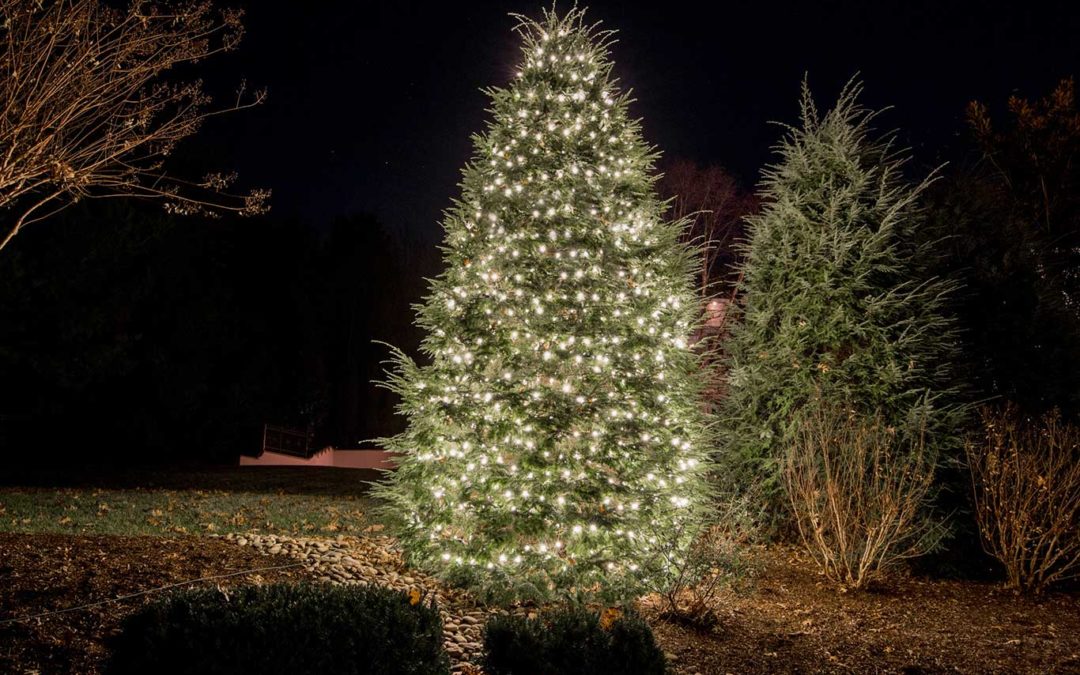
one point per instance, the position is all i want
(159, 589)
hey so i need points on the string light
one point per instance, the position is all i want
(557, 420)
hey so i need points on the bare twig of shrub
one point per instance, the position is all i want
(717, 558)
(87, 113)
(859, 493)
(1026, 479)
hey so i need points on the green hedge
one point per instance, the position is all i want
(287, 628)
(571, 641)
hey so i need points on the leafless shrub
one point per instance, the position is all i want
(86, 111)
(1026, 478)
(717, 558)
(859, 493)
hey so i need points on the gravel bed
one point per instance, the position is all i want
(376, 560)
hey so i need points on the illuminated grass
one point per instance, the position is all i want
(293, 502)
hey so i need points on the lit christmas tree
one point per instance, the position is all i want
(556, 442)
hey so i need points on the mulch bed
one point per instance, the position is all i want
(785, 620)
(43, 572)
(789, 620)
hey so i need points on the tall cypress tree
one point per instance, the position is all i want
(835, 299)
(556, 442)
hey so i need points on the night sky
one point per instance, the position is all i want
(372, 103)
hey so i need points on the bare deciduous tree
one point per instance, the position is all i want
(88, 113)
(714, 204)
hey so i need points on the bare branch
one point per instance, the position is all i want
(714, 204)
(85, 110)
(1026, 479)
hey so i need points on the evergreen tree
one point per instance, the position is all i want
(1011, 222)
(835, 298)
(556, 442)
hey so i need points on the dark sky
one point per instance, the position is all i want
(372, 103)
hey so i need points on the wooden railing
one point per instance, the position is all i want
(295, 442)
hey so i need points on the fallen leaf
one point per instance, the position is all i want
(609, 616)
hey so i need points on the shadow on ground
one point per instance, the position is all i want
(323, 481)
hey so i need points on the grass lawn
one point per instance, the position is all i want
(286, 500)
(784, 619)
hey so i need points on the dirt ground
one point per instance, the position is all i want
(786, 620)
(43, 572)
(789, 620)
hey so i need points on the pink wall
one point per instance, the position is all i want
(346, 459)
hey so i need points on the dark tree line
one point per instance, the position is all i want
(1002, 221)
(1008, 221)
(128, 334)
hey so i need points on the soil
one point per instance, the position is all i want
(45, 572)
(790, 620)
(786, 619)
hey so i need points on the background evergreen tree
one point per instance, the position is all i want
(835, 297)
(1010, 224)
(555, 439)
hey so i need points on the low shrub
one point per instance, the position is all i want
(716, 559)
(860, 493)
(571, 641)
(285, 628)
(1026, 479)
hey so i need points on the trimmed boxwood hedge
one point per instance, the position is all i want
(286, 628)
(571, 641)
